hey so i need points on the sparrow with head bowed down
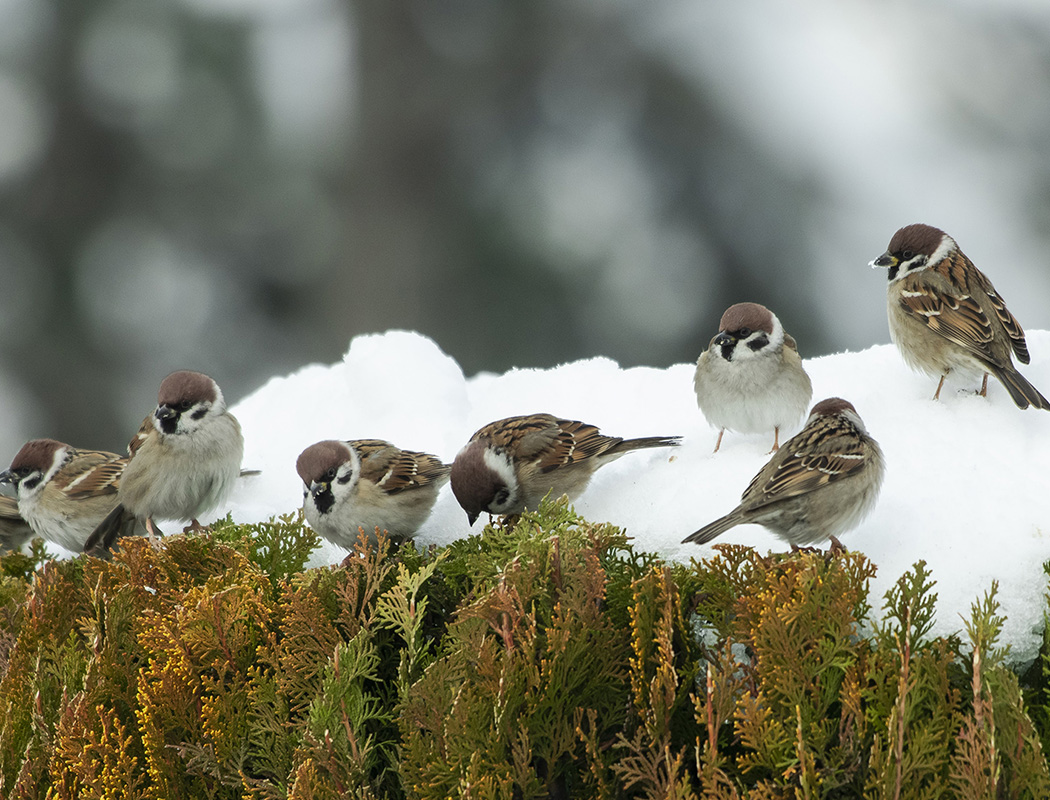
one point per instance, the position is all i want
(512, 464)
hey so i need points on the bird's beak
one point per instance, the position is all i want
(723, 339)
(885, 260)
(164, 412)
(7, 476)
(472, 518)
(318, 487)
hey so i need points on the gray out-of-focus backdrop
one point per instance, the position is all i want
(241, 186)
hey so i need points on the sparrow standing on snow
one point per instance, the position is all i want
(822, 482)
(750, 378)
(183, 461)
(512, 464)
(367, 484)
(946, 316)
(64, 493)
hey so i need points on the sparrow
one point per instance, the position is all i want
(750, 378)
(14, 530)
(946, 316)
(182, 462)
(821, 482)
(512, 464)
(63, 492)
(367, 484)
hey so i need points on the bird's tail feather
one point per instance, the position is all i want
(1021, 391)
(628, 445)
(118, 523)
(716, 528)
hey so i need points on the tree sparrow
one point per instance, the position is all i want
(367, 484)
(183, 461)
(64, 493)
(822, 482)
(945, 315)
(512, 464)
(14, 531)
(750, 378)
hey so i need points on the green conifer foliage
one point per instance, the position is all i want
(541, 659)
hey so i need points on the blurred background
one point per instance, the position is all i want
(241, 186)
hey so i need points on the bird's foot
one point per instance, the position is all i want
(837, 548)
(153, 533)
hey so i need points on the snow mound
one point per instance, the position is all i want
(966, 485)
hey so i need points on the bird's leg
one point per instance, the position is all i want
(153, 533)
(837, 548)
(984, 386)
(776, 440)
(193, 527)
(939, 385)
(719, 442)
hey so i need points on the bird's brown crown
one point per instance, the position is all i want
(747, 315)
(185, 386)
(36, 454)
(918, 239)
(318, 459)
(474, 483)
(832, 405)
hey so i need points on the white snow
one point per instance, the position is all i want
(967, 486)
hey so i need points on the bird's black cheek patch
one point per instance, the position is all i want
(758, 342)
(31, 483)
(324, 501)
(199, 413)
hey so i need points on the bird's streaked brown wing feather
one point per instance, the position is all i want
(956, 317)
(394, 470)
(791, 473)
(92, 473)
(1009, 321)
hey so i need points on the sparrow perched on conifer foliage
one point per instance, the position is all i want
(946, 316)
(750, 379)
(63, 492)
(367, 484)
(14, 530)
(512, 464)
(183, 461)
(822, 482)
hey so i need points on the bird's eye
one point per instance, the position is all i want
(184, 405)
(743, 333)
(330, 475)
(907, 255)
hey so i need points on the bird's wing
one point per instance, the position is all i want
(394, 470)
